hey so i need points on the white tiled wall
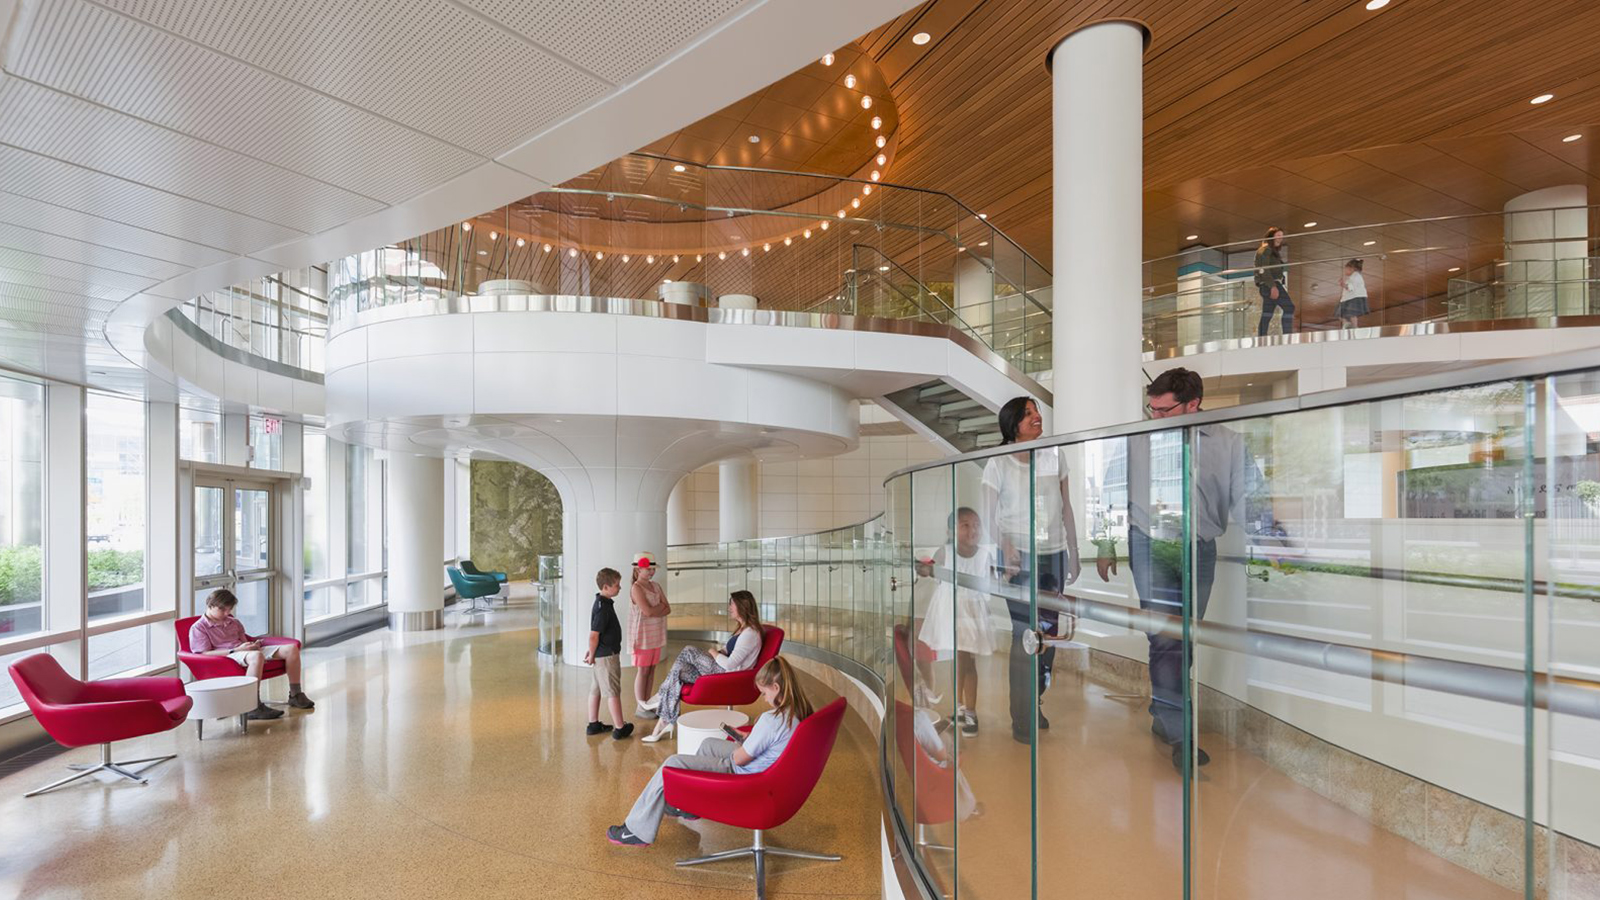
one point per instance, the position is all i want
(812, 494)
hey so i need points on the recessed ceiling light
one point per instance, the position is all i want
(866, 102)
(494, 235)
(961, 249)
(881, 141)
(766, 248)
(1571, 137)
(856, 203)
(1542, 98)
(1453, 269)
(483, 253)
(678, 168)
(1191, 237)
(827, 59)
(699, 257)
(666, 281)
(808, 233)
(521, 242)
(850, 81)
(877, 122)
(674, 257)
(722, 254)
(883, 159)
(841, 215)
(921, 37)
(787, 241)
(547, 248)
(866, 189)
(1311, 225)
(466, 226)
(1374, 5)
(626, 257)
(745, 251)
(754, 138)
(825, 222)
(875, 175)
(650, 259)
(883, 268)
(599, 255)
(983, 243)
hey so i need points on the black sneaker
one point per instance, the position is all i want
(677, 813)
(263, 711)
(622, 837)
(596, 728)
(623, 733)
(969, 725)
(1177, 757)
(299, 700)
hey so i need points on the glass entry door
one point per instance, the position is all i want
(233, 547)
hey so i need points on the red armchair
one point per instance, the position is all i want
(732, 689)
(764, 800)
(202, 666)
(79, 713)
(933, 785)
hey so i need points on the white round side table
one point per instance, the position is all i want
(219, 698)
(695, 728)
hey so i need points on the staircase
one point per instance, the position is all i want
(943, 409)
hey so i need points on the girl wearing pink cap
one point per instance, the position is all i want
(647, 629)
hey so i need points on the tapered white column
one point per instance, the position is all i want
(737, 508)
(416, 534)
(680, 518)
(1097, 171)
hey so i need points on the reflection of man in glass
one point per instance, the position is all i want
(1223, 477)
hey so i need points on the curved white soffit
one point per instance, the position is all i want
(762, 43)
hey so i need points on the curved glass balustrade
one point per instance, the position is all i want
(648, 227)
(1340, 646)
(1515, 270)
(280, 318)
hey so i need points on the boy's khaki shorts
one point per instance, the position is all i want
(607, 676)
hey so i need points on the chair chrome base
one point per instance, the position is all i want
(759, 850)
(107, 765)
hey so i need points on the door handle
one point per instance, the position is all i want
(1034, 641)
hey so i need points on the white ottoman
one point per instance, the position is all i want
(695, 728)
(220, 698)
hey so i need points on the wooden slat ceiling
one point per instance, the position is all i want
(1258, 111)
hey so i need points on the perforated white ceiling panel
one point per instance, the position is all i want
(115, 61)
(615, 39)
(434, 66)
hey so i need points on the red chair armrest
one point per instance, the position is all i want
(202, 666)
(272, 641)
(738, 800)
(111, 690)
(80, 724)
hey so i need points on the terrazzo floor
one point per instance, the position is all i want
(444, 764)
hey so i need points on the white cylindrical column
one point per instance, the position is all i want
(737, 492)
(680, 518)
(1097, 163)
(974, 286)
(415, 526)
(1547, 245)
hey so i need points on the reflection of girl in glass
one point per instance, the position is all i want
(1049, 551)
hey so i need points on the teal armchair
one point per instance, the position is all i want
(469, 588)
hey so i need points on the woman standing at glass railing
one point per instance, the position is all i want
(1272, 280)
(1049, 549)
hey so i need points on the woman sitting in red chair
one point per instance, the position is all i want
(740, 655)
(760, 748)
(218, 633)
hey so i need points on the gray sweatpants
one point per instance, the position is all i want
(645, 817)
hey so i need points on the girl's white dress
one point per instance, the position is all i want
(968, 627)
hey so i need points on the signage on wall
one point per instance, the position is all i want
(269, 425)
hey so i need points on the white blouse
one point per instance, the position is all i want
(746, 647)
(1008, 477)
(1354, 286)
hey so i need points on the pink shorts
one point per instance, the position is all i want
(642, 658)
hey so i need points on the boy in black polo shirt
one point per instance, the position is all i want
(605, 647)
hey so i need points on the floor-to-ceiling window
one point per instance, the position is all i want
(22, 608)
(322, 597)
(364, 538)
(114, 528)
(200, 435)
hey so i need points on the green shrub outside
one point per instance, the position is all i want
(22, 571)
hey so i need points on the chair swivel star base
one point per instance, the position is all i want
(759, 849)
(106, 764)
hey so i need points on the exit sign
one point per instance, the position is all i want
(269, 425)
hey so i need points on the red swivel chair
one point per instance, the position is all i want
(933, 785)
(202, 666)
(764, 800)
(79, 713)
(732, 689)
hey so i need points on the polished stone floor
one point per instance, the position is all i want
(446, 764)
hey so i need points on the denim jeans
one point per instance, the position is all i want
(1267, 303)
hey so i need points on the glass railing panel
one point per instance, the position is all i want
(923, 726)
(1568, 765)
(898, 723)
(983, 768)
(1398, 526)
